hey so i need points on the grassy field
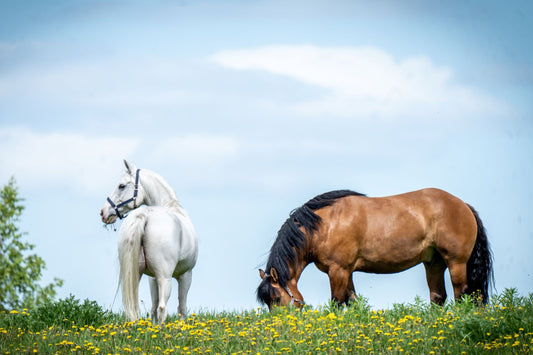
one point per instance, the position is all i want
(72, 326)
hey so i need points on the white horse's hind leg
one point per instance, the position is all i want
(164, 286)
(154, 292)
(184, 283)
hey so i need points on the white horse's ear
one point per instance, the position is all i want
(129, 167)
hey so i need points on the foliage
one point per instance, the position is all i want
(509, 312)
(60, 313)
(503, 326)
(20, 271)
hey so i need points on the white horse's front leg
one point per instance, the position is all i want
(154, 292)
(184, 283)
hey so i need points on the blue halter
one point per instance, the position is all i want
(134, 198)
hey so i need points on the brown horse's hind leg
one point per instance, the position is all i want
(459, 279)
(339, 280)
(435, 279)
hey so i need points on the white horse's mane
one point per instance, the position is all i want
(161, 191)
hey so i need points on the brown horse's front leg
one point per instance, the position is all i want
(351, 289)
(339, 280)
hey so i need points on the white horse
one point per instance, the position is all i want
(157, 239)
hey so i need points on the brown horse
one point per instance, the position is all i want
(344, 231)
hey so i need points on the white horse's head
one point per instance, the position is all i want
(127, 196)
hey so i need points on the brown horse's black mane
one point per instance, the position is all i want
(290, 237)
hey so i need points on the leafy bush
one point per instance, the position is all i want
(61, 313)
(21, 271)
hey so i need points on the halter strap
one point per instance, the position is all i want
(293, 299)
(286, 288)
(134, 198)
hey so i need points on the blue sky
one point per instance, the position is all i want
(250, 108)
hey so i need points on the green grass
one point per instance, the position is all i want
(68, 326)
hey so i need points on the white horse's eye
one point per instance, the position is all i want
(121, 186)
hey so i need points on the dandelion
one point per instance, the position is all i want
(331, 316)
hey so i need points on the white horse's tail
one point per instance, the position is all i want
(129, 245)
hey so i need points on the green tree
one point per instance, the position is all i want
(20, 271)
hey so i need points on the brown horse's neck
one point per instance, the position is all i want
(296, 269)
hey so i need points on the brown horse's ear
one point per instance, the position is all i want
(262, 274)
(274, 275)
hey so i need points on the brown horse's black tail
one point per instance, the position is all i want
(480, 275)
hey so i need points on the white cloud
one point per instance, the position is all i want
(59, 159)
(364, 81)
(90, 164)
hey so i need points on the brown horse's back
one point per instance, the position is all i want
(391, 234)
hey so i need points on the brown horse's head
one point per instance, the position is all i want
(271, 293)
